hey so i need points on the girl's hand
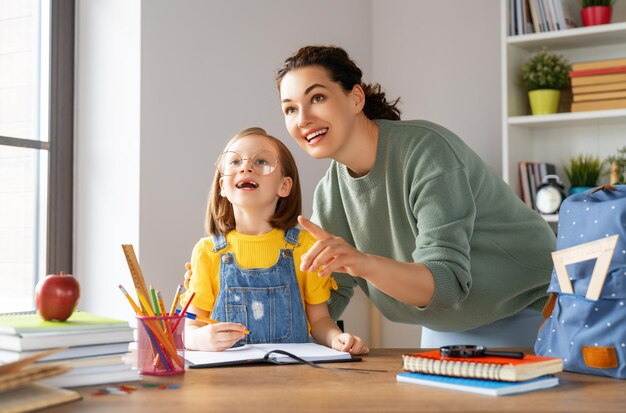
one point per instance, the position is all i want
(187, 275)
(217, 337)
(352, 344)
(330, 253)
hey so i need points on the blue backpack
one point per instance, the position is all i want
(586, 313)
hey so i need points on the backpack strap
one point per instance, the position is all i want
(604, 187)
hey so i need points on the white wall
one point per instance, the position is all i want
(163, 84)
(107, 144)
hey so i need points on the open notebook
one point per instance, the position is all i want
(266, 353)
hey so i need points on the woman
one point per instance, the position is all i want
(411, 214)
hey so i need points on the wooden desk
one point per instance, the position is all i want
(301, 388)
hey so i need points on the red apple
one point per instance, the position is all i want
(56, 296)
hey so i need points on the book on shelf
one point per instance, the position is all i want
(486, 387)
(599, 64)
(489, 368)
(523, 184)
(598, 79)
(38, 341)
(599, 105)
(511, 16)
(532, 183)
(604, 87)
(599, 96)
(531, 176)
(519, 17)
(552, 20)
(31, 322)
(601, 71)
(542, 16)
(35, 396)
(552, 15)
(534, 15)
(559, 10)
(527, 18)
(72, 352)
(264, 354)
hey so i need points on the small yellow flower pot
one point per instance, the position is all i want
(544, 101)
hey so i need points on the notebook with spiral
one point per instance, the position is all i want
(490, 368)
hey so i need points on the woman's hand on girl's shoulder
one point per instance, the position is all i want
(349, 343)
(187, 275)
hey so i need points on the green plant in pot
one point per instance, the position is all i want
(596, 12)
(583, 172)
(544, 74)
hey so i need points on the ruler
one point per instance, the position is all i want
(602, 250)
(135, 272)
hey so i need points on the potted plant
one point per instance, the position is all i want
(596, 12)
(618, 167)
(583, 172)
(544, 74)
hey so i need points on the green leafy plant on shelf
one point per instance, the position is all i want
(583, 170)
(545, 70)
(589, 3)
(617, 164)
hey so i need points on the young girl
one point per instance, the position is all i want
(247, 273)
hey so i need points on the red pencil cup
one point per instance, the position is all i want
(160, 348)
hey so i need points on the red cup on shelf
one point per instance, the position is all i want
(160, 345)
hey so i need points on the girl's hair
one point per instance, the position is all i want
(220, 217)
(343, 70)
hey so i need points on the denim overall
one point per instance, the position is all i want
(265, 300)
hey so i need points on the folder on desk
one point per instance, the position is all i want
(267, 354)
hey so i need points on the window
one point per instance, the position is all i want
(36, 145)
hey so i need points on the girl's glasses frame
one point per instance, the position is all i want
(230, 162)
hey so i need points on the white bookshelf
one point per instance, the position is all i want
(556, 138)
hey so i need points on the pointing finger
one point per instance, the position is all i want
(315, 230)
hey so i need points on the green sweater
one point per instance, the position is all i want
(430, 199)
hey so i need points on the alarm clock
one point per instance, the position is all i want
(550, 195)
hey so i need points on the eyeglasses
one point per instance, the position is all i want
(230, 163)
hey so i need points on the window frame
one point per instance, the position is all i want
(60, 144)
(61, 132)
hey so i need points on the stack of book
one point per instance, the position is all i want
(95, 346)
(489, 375)
(20, 393)
(598, 85)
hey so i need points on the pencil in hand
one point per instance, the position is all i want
(207, 320)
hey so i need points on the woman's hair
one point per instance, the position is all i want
(220, 217)
(343, 70)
